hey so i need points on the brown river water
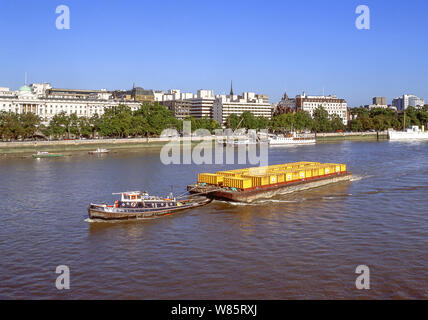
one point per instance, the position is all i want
(301, 246)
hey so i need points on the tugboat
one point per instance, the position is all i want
(140, 205)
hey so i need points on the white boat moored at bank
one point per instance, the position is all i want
(413, 133)
(291, 139)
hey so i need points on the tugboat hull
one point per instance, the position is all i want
(104, 212)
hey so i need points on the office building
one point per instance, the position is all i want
(224, 106)
(408, 100)
(332, 104)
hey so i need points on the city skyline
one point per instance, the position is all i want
(320, 51)
(389, 101)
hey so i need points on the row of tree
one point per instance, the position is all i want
(119, 122)
(380, 119)
(152, 119)
(320, 121)
(14, 126)
(361, 119)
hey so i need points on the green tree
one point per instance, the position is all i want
(10, 126)
(423, 117)
(282, 122)
(30, 123)
(321, 120)
(380, 122)
(336, 123)
(95, 122)
(74, 126)
(157, 118)
(356, 125)
(412, 117)
(85, 127)
(232, 121)
(56, 127)
(248, 120)
(302, 121)
(262, 123)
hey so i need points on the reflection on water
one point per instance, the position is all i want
(301, 245)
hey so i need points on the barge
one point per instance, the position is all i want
(248, 185)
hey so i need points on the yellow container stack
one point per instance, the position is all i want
(269, 175)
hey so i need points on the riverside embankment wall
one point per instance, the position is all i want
(76, 145)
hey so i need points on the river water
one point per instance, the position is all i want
(301, 246)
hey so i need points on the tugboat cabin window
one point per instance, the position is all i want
(131, 197)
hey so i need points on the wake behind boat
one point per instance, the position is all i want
(140, 205)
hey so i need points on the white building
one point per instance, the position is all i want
(332, 104)
(199, 105)
(224, 106)
(173, 94)
(38, 99)
(185, 104)
(408, 100)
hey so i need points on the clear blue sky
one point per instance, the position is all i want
(264, 46)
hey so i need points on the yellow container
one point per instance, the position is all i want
(315, 172)
(258, 181)
(281, 178)
(296, 175)
(239, 171)
(321, 171)
(264, 180)
(308, 173)
(210, 178)
(273, 179)
(257, 171)
(331, 167)
(228, 174)
(289, 176)
(334, 168)
(238, 183)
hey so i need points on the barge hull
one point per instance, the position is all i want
(268, 191)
